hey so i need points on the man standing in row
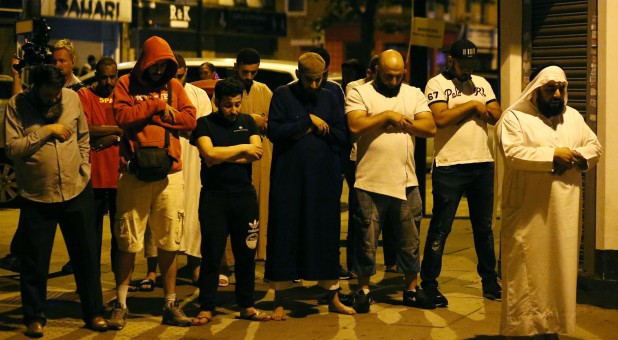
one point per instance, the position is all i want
(307, 129)
(546, 146)
(462, 105)
(47, 140)
(386, 115)
(104, 140)
(151, 107)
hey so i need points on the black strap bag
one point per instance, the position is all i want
(151, 163)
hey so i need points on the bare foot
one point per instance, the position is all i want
(335, 306)
(253, 314)
(278, 314)
(203, 318)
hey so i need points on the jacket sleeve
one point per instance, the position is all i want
(83, 135)
(337, 136)
(280, 127)
(184, 119)
(18, 144)
(129, 112)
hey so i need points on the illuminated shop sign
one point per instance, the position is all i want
(99, 10)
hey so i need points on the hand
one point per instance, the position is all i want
(14, 62)
(581, 161)
(321, 126)
(254, 151)
(481, 110)
(407, 125)
(260, 120)
(168, 114)
(564, 156)
(104, 142)
(60, 131)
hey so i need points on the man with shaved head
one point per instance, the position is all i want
(386, 116)
(306, 126)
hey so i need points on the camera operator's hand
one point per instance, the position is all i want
(17, 88)
(60, 131)
(14, 65)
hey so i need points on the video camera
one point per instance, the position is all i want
(36, 49)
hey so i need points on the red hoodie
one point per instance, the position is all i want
(139, 103)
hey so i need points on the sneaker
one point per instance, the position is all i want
(361, 301)
(119, 317)
(492, 290)
(439, 299)
(174, 316)
(418, 299)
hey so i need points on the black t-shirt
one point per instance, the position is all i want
(225, 177)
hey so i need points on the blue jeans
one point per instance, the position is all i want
(404, 218)
(450, 183)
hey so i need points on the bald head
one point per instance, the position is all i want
(390, 71)
(391, 60)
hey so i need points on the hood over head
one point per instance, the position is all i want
(155, 49)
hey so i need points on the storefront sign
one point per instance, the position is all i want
(99, 10)
(179, 16)
(427, 32)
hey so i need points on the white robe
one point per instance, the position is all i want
(192, 238)
(541, 219)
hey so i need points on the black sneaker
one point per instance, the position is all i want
(418, 299)
(344, 274)
(439, 299)
(361, 301)
(492, 290)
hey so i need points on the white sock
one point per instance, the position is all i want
(121, 295)
(170, 299)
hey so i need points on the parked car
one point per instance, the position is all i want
(273, 73)
(8, 182)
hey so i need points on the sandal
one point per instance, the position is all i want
(224, 281)
(201, 319)
(146, 285)
(257, 316)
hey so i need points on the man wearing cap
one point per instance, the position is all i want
(462, 105)
(386, 116)
(307, 130)
(546, 146)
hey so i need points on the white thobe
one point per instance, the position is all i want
(541, 219)
(192, 238)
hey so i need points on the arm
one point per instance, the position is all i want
(130, 113)
(17, 87)
(181, 115)
(336, 125)
(445, 117)
(591, 150)
(422, 125)
(241, 153)
(494, 111)
(83, 136)
(360, 122)
(516, 153)
(280, 127)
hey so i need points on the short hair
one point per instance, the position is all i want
(210, 66)
(540, 68)
(92, 58)
(65, 44)
(105, 61)
(47, 74)
(323, 53)
(374, 62)
(228, 87)
(247, 56)
(180, 60)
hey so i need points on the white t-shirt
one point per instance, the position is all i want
(464, 142)
(385, 161)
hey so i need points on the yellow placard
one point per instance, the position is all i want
(427, 32)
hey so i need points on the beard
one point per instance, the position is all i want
(387, 91)
(49, 113)
(464, 77)
(307, 96)
(549, 108)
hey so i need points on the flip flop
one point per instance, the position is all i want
(257, 316)
(146, 285)
(200, 320)
(224, 281)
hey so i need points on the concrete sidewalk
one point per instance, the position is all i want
(467, 316)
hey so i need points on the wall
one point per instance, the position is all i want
(607, 181)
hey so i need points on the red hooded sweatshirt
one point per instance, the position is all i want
(140, 102)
